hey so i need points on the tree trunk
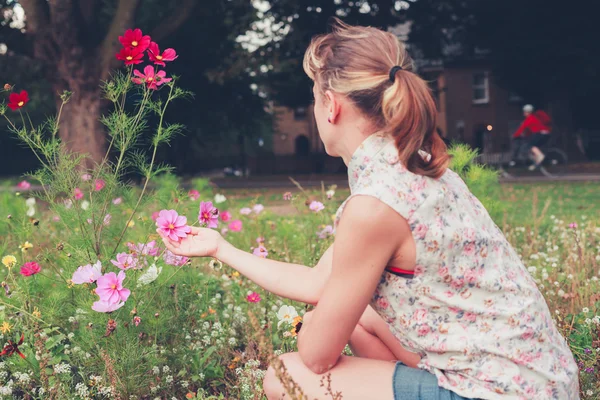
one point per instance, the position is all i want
(80, 126)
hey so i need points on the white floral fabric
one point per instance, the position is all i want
(472, 311)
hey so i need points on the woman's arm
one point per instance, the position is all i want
(293, 281)
(364, 244)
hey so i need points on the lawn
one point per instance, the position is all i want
(189, 329)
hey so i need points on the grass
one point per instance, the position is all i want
(222, 344)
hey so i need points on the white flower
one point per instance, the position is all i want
(286, 314)
(330, 193)
(258, 208)
(30, 203)
(586, 310)
(219, 198)
(149, 276)
(85, 205)
(62, 368)
(589, 392)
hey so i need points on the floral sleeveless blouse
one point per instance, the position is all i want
(472, 311)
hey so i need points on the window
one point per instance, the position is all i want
(481, 88)
(300, 113)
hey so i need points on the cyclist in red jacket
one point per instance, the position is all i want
(538, 125)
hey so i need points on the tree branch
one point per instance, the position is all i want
(36, 14)
(65, 24)
(88, 10)
(123, 19)
(37, 18)
(174, 21)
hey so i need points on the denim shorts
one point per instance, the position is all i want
(418, 384)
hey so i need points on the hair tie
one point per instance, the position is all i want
(393, 71)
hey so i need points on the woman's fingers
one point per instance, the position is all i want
(195, 230)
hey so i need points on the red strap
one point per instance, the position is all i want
(400, 270)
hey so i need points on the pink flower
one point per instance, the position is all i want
(117, 201)
(225, 216)
(287, 196)
(126, 261)
(420, 231)
(383, 303)
(30, 268)
(78, 194)
(253, 297)
(260, 240)
(56, 218)
(172, 259)
(99, 185)
(528, 334)
(471, 317)
(106, 307)
(155, 215)
(130, 56)
(86, 177)
(420, 315)
(245, 211)
(458, 283)
(469, 249)
(106, 220)
(261, 251)
(573, 225)
(326, 232)
(87, 273)
(152, 79)
(194, 194)
(258, 208)
(110, 288)
(135, 39)
(316, 206)
(172, 225)
(224, 231)
(137, 320)
(209, 215)
(235, 226)
(423, 330)
(23, 185)
(144, 249)
(159, 58)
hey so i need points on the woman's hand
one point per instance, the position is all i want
(200, 242)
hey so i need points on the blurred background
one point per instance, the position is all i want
(252, 109)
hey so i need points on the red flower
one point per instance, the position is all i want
(12, 348)
(18, 100)
(30, 268)
(135, 39)
(159, 58)
(131, 56)
(153, 80)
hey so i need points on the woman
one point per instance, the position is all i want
(455, 315)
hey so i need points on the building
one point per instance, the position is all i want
(473, 109)
(297, 147)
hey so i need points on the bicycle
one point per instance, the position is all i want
(554, 164)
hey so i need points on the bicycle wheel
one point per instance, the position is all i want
(555, 162)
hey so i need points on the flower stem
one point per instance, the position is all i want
(148, 173)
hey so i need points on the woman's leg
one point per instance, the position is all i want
(373, 339)
(356, 378)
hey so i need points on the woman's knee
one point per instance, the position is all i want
(272, 385)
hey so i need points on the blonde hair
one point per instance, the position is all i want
(356, 61)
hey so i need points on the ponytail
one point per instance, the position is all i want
(410, 117)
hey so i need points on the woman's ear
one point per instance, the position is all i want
(334, 106)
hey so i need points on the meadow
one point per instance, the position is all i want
(196, 328)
